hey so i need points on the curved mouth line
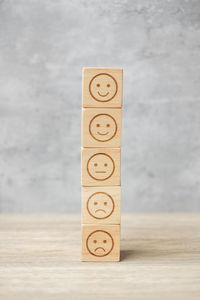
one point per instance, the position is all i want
(102, 133)
(100, 210)
(99, 248)
(103, 95)
(100, 171)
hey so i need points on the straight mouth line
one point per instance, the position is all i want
(103, 95)
(102, 133)
(100, 171)
(100, 210)
(100, 248)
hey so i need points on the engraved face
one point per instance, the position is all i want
(103, 87)
(103, 127)
(100, 166)
(100, 205)
(100, 243)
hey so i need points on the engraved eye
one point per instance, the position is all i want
(95, 164)
(98, 125)
(105, 203)
(105, 165)
(104, 241)
(95, 203)
(108, 85)
(95, 241)
(98, 85)
(108, 125)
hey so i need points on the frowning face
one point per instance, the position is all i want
(103, 127)
(100, 205)
(100, 243)
(100, 166)
(103, 87)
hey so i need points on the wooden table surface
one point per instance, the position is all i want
(40, 259)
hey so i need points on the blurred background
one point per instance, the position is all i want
(43, 46)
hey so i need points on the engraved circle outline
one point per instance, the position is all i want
(91, 90)
(106, 177)
(106, 195)
(111, 136)
(92, 234)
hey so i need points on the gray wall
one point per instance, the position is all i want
(43, 46)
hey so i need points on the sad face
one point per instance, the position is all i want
(103, 127)
(100, 205)
(103, 87)
(100, 166)
(100, 243)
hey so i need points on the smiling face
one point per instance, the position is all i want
(103, 87)
(100, 205)
(103, 127)
(100, 166)
(100, 243)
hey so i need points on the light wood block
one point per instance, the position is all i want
(100, 242)
(101, 127)
(100, 166)
(101, 205)
(102, 87)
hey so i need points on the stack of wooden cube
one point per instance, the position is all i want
(101, 163)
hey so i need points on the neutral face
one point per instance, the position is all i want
(103, 87)
(103, 127)
(100, 205)
(100, 166)
(100, 243)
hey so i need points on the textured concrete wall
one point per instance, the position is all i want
(43, 46)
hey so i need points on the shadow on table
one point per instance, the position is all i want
(127, 254)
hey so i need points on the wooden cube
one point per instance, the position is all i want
(101, 205)
(100, 242)
(102, 87)
(100, 166)
(101, 127)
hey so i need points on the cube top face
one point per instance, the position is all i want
(101, 205)
(100, 166)
(101, 127)
(100, 242)
(102, 87)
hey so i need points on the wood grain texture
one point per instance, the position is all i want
(100, 166)
(100, 242)
(102, 87)
(40, 259)
(101, 205)
(101, 127)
